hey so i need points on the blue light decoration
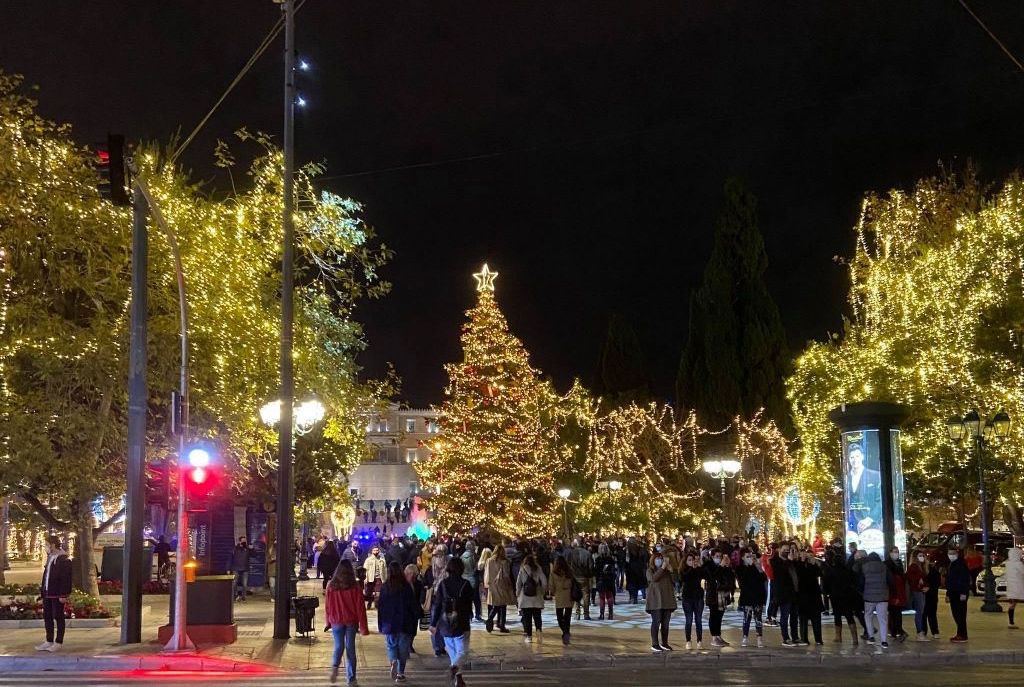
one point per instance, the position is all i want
(793, 505)
(420, 530)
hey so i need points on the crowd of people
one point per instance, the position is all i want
(448, 584)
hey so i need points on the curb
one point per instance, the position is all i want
(94, 664)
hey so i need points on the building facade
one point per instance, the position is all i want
(396, 440)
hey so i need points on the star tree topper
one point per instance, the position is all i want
(485, 279)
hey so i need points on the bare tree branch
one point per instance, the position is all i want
(44, 511)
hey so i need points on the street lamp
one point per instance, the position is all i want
(722, 470)
(972, 428)
(564, 494)
(305, 416)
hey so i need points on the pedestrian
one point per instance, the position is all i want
(561, 586)
(398, 615)
(692, 592)
(784, 591)
(345, 617)
(874, 585)
(327, 562)
(53, 591)
(931, 601)
(531, 586)
(773, 604)
(661, 600)
(753, 584)
(239, 565)
(958, 586)
(841, 584)
(720, 583)
(917, 580)
(897, 594)
(809, 596)
(1014, 575)
(451, 616)
(272, 569)
(162, 551)
(581, 563)
(469, 561)
(376, 574)
(636, 571)
(604, 573)
(499, 588)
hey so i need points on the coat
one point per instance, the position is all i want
(345, 607)
(661, 592)
(753, 586)
(874, 580)
(721, 582)
(375, 567)
(958, 579)
(498, 580)
(809, 593)
(784, 580)
(327, 563)
(561, 589)
(897, 584)
(537, 600)
(1014, 575)
(604, 571)
(56, 579)
(460, 592)
(239, 559)
(691, 580)
(398, 613)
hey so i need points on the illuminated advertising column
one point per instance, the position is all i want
(872, 469)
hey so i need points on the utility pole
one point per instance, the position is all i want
(285, 565)
(135, 502)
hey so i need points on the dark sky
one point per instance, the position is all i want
(619, 123)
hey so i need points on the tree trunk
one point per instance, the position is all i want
(1013, 516)
(84, 559)
(5, 525)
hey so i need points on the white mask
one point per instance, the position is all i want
(748, 560)
(953, 556)
(658, 562)
(894, 556)
(920, 558)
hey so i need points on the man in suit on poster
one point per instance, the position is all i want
(863, 487)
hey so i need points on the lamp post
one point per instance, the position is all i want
(972, 427)
(305, 416)
(564, 494)
(722, 470)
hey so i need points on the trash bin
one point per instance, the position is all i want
(305, 609)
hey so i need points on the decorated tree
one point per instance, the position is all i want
(938, 325)
(492, 467)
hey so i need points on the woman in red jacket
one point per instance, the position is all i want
(345, 616)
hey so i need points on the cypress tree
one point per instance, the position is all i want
(622, 376)
(735, 361)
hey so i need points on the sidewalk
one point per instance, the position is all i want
(622, 642)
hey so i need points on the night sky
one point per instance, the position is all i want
(608, 128)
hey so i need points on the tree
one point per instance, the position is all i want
(735, 361)
(64, 273)
(937, 325)
(493, 467)
(622, 378)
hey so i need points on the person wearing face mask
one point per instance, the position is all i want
(958, 586)
(917, 579)
(718, 593)
(809, 596)
(784, 588)
(54, 590)
(240, 567)
(840, 582)
(692, 595)
(661, 600)
(874, 583)
(897, 595)
(753, 595)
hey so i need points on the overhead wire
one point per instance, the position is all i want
(1006, 51)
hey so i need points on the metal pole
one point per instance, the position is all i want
(990, 605)
(565, 515)
(135, 505)
(285, 566)
(725, 521)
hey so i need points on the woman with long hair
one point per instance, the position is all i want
(498, 584)
(327, 561)
(345, 616)
(397, 618)
(661, 600)
(531, 585)
(560, 586)
(691, 581)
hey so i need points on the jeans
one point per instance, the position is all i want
(789, 621)
(241, 583)
(715, 621)
(881, 610)
(959, 610)
(531, 618)
(398, 649)
(345, 642)
(498, 612)
(53, 613)
(457, 648)
(694, 610)
(773, 605)
(659, 626)
(752, 613)
(475, 582)
(564, 616)
(931, 610)
(918, 600)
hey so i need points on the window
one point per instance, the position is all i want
(382, 455)
(382, 426)
(410, 455)
(432, 426)
(410, 424)
(413, 487)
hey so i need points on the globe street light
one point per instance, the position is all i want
(722, 470)
(972, 428)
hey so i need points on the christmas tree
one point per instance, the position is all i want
(492, 467)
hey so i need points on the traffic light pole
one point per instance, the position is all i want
(285, 527)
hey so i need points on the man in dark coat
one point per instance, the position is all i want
(958, 586)
(239, 565)
(54, 590)
(784, 590)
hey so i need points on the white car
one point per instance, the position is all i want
(1000, 575)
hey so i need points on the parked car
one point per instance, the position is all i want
(1000, 574)
(952, 534)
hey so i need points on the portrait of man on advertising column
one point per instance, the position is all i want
(863, 490)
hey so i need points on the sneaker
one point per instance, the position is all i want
(885, 645)
(394, 670)
(936, 637)
(700, 645)
(56, 646)
(760, 642)
(656, 649)
(802, 643)
(958, 639)
(870, 640)
(922, 637)
(666, 647)
(399, 678)
(529, 639)
(45, 646)
(504, 630)
(786, 642)
(689, 646)
(717, 641)
(743, 642)
(1011, 626)
(334, 675)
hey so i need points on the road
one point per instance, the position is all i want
(940, 676)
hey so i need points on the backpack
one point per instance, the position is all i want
(530, 586)
(450, 609)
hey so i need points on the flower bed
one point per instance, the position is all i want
(78, 605)
(19, 590)
(152, 587)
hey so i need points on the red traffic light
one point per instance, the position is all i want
(197, 475)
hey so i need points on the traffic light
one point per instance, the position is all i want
(157, 484)
(201, 476)
(110, 165)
